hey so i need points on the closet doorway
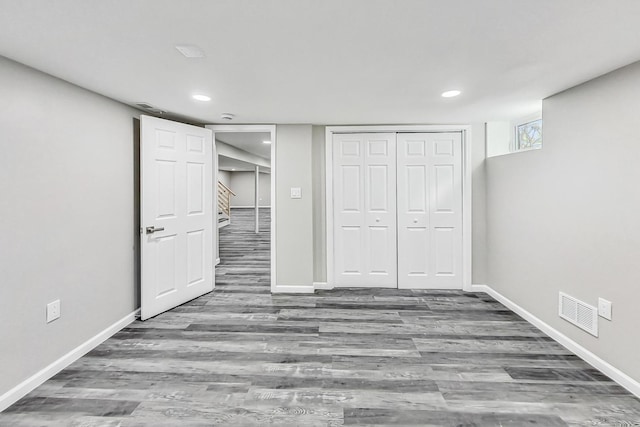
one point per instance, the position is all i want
(398, 207)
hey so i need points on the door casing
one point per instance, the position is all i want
(466, 188)
(253, 128)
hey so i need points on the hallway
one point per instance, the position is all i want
(244, 255)
(241, 356)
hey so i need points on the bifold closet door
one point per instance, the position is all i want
(364, 186)
(429, 210)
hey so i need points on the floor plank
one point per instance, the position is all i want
(241, 356)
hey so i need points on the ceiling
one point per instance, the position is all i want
(234, 165)
(326, 62)
(251, 142)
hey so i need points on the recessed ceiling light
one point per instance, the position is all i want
(451, 93)
(233, 169)
(204, 98)
(266, 142)
(190, 51)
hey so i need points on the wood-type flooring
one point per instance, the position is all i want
(241, 356)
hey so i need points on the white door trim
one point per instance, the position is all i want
(466, 186)
(256, 128)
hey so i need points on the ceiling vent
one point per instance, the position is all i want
(579, 313)
(150, 108)
(190, 51)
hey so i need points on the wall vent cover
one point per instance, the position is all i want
(190, 51)
(150, 108)
(579, 313)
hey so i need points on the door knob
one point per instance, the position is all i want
(377, 219)
(415, 220)
(152, 229)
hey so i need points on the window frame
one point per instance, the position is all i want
(516, 134)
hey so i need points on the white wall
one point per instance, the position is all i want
(478, 205)
(566, 217)
(294, 217)
(224, 177)
(67, 218)
(243, 184)
(499, 138)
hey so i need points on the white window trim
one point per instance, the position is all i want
(514, 126)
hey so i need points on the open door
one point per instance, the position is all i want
(176, 179)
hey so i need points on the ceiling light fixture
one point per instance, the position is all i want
(451, 93)
(203, 98)
(266, 142)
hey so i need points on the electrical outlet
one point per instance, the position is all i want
(604, 308)
(53, 311)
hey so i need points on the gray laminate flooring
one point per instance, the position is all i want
(241, 356)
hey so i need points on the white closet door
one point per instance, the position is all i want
(430, 210)
(364, 185)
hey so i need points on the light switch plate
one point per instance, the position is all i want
(296, 193)
(604, 308)
(53, 311)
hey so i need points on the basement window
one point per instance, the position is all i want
(528, 136)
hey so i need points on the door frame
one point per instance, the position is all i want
(466, 186)
(251, 128)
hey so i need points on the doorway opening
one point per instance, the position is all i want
(244, 175)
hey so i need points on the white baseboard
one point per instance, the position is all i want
(28, 385)
(605, 367)
(477, 288)
(322, 285)
(284, 289)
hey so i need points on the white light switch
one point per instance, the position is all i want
(604, 308)
(53, 311)
(296, 193)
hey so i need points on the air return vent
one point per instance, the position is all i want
(579, 313)
(190, 51)
(150, 108)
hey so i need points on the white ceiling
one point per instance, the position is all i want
(326, 62)
(251, 142)
(235, 165)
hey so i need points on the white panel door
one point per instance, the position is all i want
(176, 178)
(430, 210)
(364, 180)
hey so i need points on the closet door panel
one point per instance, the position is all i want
(364, 210)
(430, 210)
(348, 208)
(414, 251)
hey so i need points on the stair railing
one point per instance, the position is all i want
(224, 199)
